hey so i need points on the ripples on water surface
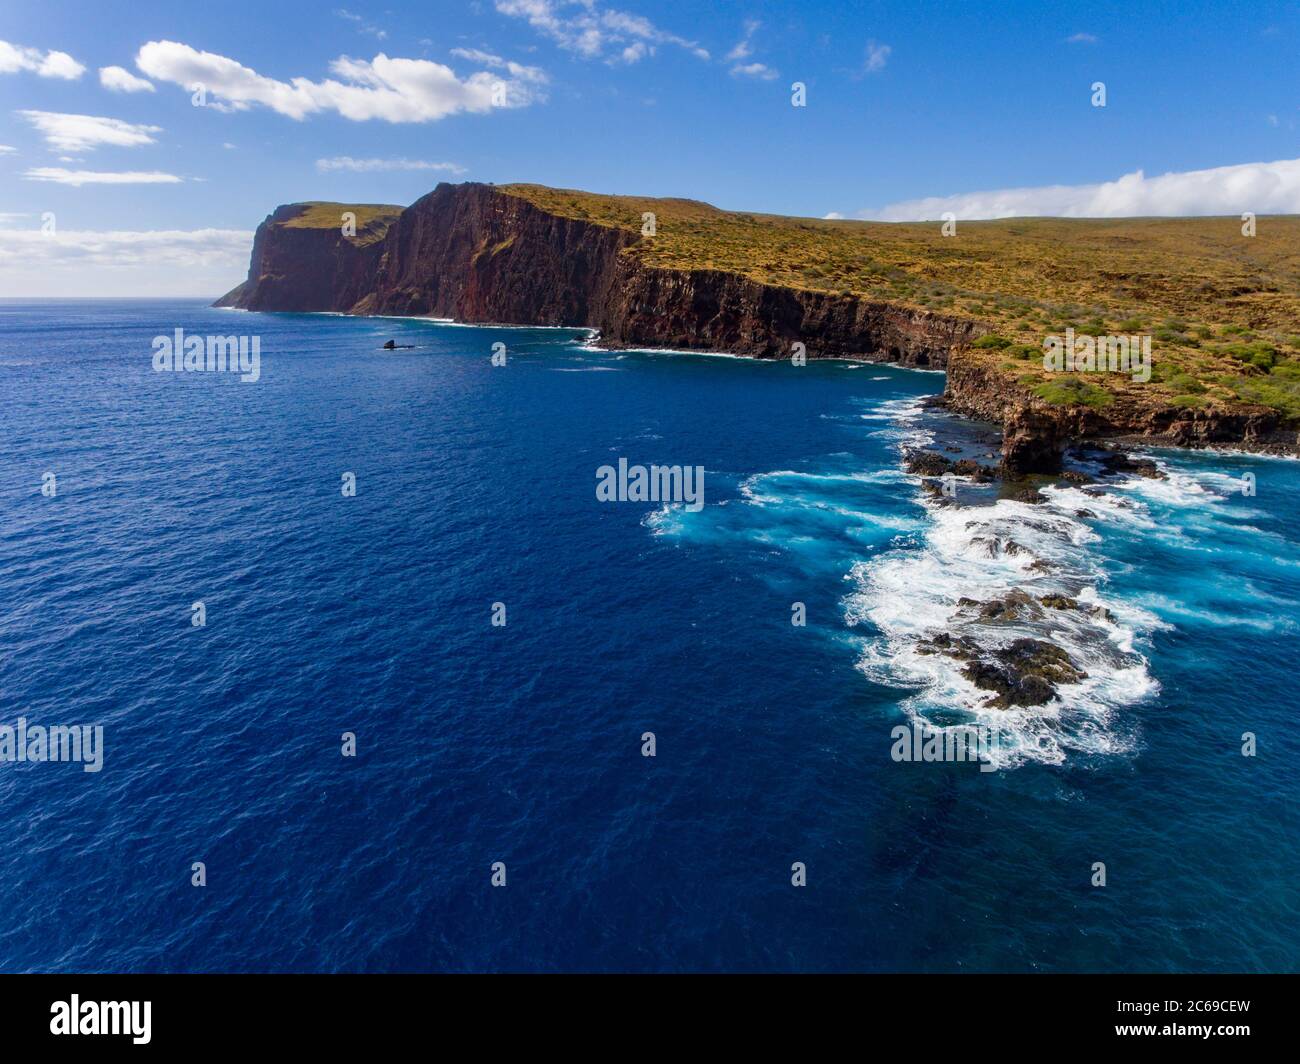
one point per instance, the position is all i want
(521, 744)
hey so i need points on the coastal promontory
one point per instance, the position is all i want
(1219, 310)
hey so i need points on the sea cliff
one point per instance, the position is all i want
(488, 254)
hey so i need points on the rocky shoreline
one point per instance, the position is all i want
(1026, 671)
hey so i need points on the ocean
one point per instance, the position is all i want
(484, 750)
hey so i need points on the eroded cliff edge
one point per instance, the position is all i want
(302, 261)
(476, 253)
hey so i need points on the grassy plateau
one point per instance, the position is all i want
(1222, 308)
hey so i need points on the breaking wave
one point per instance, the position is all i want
(982, 577)
(944, 593)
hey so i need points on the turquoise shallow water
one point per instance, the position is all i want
(522, 744)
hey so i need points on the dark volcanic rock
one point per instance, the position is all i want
(927, 464)
(1026, 673)
(997, 546)
(934, 464)
(1022, 491)
(1122, 463)
(962, 648)
(1015, 605)
(1031, 443)
(968, 467)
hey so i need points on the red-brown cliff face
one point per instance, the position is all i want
(302, 268)
(472, 253)
(718, 311)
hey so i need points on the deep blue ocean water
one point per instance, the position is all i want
(522, 744)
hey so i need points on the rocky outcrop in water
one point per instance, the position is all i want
(1025, 672)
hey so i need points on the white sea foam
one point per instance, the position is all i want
(665, 521)
(915, 591)
(940, 554)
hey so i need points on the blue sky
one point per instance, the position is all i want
(380, 102)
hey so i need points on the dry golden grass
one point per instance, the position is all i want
(373, 219)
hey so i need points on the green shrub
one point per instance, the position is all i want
(1186, 384)
(1260, 353)
(1073, 391)
(1278, 391)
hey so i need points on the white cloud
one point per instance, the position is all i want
(744, 48)
(478, 55)
(834, 216)
(6, 149)
(754, 70)
(59, 176)
(1264, 188)
(78, 133)
(155, 262)
(877, 55)
(635, 52)
(119, 79)
(1081, 38)
(60, 65)
(16, 57)
(517, 70)
(362, 24)
(582, 26)
(391, 90)
(362, 166)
